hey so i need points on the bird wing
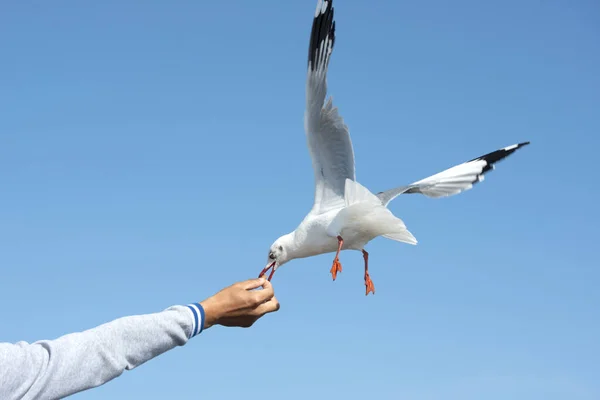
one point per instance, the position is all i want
(453, 180)
(327, 135)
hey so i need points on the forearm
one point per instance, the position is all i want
(72, 363)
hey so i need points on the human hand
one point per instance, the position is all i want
(240, 305)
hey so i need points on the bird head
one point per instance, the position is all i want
(279, 252)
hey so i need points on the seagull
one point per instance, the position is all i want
(345, 215)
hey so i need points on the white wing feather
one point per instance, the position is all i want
(453, 180)
(327, 135)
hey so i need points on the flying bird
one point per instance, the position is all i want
(345, 215)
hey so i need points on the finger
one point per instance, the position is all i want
(267, 307)
(253, 283)
(265, 294)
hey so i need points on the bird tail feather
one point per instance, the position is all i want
(403, 236)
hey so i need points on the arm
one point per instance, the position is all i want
(54, 369)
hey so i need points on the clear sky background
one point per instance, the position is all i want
(150, 152)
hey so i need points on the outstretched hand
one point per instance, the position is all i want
(240, 305)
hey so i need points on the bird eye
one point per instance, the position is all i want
(271, 256)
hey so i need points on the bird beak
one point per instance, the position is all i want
(270, 265)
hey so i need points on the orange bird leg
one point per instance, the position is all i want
(337, 267)
(368, 282)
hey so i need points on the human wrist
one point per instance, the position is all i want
(212, 312)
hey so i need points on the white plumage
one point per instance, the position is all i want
(345, 214)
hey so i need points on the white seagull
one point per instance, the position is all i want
(345, 214)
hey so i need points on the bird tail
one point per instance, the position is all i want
(403, 236)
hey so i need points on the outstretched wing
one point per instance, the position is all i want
(327, 135)
(453, 180)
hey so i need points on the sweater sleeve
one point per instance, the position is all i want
(54, 369)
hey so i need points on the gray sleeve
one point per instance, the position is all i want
(54, 369)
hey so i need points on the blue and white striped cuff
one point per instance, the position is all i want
(199, 318)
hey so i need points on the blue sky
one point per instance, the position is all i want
(151, 152)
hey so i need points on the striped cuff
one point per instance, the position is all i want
(199, 318)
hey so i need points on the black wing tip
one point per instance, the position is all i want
(322, 27)
(495, 156)
(503, 152)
